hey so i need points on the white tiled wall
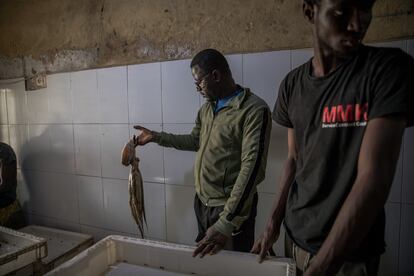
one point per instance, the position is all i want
(68, 139)
(113, 95)
(86, 106)
(91, 204)
(399, 209)
(408, 172)
(300, 56)
(276, 157)
(116, 206)
(406, 240)
(87, 141)
(263, 73)
(59, 95)
(4, 134)
(236, 67)
(114, 137)
(3, 107)
(181, 222)
(19, 142)
(17, 102)
(180, 100)
(389, 261)
(178, 167)
(144, 93)
(155, 206)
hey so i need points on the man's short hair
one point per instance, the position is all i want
(210, 59)
(312, 2)
(317, 2)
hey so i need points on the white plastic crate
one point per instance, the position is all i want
(118, 255)
(62, 245)
(19, 249)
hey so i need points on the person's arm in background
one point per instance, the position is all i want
(263, 244)
(189, 142)
(255, 143)
(376, 166)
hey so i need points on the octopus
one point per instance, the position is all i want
(135, 186)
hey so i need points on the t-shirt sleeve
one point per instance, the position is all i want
(280, 112)
(393, 87)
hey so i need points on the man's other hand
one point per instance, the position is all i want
(265, 241)
(212, 243)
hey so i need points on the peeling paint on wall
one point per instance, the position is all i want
(68, 35)
(65, 60)
(10, 68)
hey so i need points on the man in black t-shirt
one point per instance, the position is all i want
(346, 111)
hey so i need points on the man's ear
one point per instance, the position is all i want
(308, 12)
(216, 74)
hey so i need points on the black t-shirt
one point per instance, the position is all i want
(329, 115)
(7, 188)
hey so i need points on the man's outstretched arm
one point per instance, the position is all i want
(189, 142)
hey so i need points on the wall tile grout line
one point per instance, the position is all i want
(100, 149)
(127, 89)
(401, 204)
(163, 155)
(74, 148)
(7, 117)
(242, 70)
(73, 123)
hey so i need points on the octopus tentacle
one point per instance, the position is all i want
(135, 186)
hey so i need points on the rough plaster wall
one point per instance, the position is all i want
(68, 35)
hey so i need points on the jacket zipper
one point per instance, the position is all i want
(205, 146)
(203, 150)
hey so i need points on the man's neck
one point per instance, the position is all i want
(228, 90)
(325, 61)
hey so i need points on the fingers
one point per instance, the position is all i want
(216, 249)
(261, 247)
(256, 246)
(212, 243)
(263, 251)
(142, 129)
(144, 136)
(139, 127)
(207, 246)
(272, 252)
(199, 249)
(207, 249)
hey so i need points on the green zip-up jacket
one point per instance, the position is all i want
(231, 148)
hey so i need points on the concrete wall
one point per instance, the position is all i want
(68, 35)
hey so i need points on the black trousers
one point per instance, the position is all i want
(242, 239)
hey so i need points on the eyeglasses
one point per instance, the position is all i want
(198, 82)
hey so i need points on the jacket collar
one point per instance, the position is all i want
(237, 101)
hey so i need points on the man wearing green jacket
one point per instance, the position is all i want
(231, 138)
